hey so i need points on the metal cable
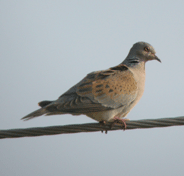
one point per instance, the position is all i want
(90, 127)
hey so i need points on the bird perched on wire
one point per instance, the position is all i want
(107, 95)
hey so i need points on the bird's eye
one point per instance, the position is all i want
(146, 49)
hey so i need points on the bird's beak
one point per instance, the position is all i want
(156, 58)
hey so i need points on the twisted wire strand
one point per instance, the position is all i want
(90, 127)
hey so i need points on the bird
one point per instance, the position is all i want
(106, 96)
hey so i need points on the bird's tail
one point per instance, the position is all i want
(38, 112)
(34, 114)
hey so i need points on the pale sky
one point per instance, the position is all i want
(48, 46)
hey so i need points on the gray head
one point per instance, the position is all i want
(141, 52)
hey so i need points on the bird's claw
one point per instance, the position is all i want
(103, 122)
(117, 120)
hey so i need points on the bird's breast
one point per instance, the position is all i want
(139, 76)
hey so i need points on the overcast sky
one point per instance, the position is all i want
(48, 46)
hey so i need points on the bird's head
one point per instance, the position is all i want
(141, 51)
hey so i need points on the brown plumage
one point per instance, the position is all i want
(105, 95)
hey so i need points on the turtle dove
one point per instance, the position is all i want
(107, 95)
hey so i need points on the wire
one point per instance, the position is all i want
(90, 127)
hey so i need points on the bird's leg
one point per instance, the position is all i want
(103, 122)
(119, 121)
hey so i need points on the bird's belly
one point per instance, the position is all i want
(107, 115)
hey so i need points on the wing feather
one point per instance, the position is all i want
(98, 91)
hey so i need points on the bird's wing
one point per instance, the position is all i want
(98, 91)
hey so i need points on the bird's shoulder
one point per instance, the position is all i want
(113, 81)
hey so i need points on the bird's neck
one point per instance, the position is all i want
(134, 62)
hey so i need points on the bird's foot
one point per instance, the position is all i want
(102, 123)
(117, 120)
